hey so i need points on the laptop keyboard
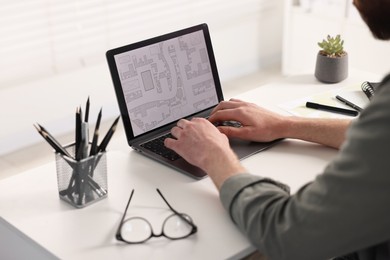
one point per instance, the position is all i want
(157, 146)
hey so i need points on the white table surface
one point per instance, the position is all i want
(30, 200)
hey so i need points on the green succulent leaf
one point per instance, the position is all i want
(332, 46)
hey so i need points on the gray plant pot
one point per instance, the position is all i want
(331, 70)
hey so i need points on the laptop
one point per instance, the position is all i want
(163, 79)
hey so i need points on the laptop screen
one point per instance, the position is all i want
(166, 78)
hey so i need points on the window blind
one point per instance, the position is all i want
(39, 38)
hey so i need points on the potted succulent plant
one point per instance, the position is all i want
(332, 60)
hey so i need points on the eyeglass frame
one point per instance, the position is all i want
(118, 234)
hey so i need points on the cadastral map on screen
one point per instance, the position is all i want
(166, 81)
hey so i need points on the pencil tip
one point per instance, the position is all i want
(116, 120)
(37, 127)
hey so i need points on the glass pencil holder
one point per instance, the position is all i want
(82, 182)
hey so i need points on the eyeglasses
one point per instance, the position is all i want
(137, 230)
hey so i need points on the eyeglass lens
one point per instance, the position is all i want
(137, 230)
(176, 227)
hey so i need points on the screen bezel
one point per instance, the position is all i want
(110, 55)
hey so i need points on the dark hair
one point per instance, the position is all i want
(376, 14)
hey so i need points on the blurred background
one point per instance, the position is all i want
(52, 53)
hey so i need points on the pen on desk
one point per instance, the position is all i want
(332, 109)
(107, 137)
(348, 103)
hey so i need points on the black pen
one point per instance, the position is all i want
(349, 103)
(332, 109)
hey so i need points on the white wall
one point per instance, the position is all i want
(305, 25)
(246, 38)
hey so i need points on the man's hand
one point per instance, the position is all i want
(261, 125)
(257, 124)
(200, 143)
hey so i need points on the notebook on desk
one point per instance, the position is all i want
(161, 80)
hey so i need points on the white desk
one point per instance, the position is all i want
(30, 200)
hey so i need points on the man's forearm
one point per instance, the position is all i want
(329, 132)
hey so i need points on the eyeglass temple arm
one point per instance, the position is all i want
(125, 212)
(177, 213)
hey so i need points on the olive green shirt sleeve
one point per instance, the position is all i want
(345, 209)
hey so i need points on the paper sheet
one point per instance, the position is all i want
(351, 93)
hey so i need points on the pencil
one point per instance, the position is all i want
(52, 142)
(108, 136)
(51, 137)
(83, 146)
(77, 132)
(96, 134)
(86, 116)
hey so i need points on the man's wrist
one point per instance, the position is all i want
(287, 126)
(222, 168)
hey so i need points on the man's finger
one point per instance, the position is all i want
(175, 131)
(181, 123)
(235, 100)
(170, 143)
(232, 132)
(225, 115)
(226, 105)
